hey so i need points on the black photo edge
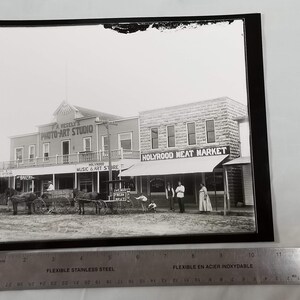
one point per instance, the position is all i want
(259, 143)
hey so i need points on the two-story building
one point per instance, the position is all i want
(73, 151)
(190, 143)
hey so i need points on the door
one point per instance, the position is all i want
(65, 151)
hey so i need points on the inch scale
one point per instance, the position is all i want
(129, 268)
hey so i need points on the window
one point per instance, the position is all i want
(191, 133)
(31, 152)
(104, 143)
(130, 183)
(87, 144)
(46, 150)
(154, 138)
(86, 182)
(125, 140)
(214, 181)
(19, 153)
(210, 131)
(157, 185)
(171, 136)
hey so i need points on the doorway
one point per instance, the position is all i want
(65, 151)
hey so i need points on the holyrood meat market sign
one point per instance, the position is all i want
(175, 154)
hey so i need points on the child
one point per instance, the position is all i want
(152, 206)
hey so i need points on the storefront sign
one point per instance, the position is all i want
(6, 173)
(66, 130)
(95, 167)
(211, 151)
(121, 194)
(25, 177)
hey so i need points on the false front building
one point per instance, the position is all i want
(190, 143)
(73, 151)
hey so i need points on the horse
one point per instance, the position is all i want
(84, 197)
(15, 198)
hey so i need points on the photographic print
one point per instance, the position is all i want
(133, 131)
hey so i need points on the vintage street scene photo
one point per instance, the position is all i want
(125, 130)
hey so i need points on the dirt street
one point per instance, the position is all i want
(68, 226)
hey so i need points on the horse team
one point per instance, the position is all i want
(30, 198)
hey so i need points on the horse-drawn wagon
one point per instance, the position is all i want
(71, 201)
(56, 201)
(120, 202)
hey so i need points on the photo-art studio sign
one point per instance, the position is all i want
(187, 153)
(67, 130)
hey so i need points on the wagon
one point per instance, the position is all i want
(57, 201)
(121, 202)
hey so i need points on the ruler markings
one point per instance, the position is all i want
(71, 269)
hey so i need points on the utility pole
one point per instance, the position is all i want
(107, 124)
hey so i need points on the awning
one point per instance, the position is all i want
(239, 161)
(175, 166)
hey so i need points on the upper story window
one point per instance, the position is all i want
(171, 135)
(19, 154)
(210, 131)
(87, 144)
(125, 140)
(31, 152)
(154, 138)
(191, 133)
(46, 151)
(104, 143)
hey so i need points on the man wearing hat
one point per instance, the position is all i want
(50, 186)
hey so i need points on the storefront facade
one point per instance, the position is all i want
(73, 151)
(244, 162)
(190, 143)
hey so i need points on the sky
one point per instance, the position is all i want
(116, 73)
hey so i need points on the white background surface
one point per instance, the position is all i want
(281, 44)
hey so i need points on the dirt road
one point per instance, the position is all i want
(39, 227)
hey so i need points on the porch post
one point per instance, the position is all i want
(226, 192)
(98, 182)
(75, 180)
(53, 180)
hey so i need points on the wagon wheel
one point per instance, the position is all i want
(128, 206)
(102, 207)
(123, 207)
(62, 205)
(39, 206)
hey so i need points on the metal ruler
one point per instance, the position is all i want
(128, 268)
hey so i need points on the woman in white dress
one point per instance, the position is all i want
(204, 201)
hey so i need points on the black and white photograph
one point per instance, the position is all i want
(133, 132)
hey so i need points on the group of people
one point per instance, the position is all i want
(204, 200)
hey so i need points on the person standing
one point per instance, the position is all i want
(50, 186)
(204, 200)
(170, 195)
(180, 196)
